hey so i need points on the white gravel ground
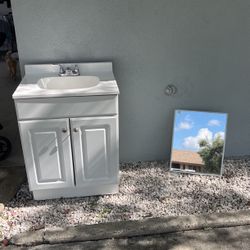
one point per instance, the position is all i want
(147, 189)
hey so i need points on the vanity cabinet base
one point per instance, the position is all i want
(70, 137)
(75, 192)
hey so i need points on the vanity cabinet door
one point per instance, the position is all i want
(95, 150)
(47, 153)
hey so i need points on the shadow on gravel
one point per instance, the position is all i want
(155, 189)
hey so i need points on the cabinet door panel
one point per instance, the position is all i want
(95, 148)
(45, 155)
(95, 153)
(47, 152)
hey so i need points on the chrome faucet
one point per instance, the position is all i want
(69, 71)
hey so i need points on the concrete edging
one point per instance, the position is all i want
(124, 229)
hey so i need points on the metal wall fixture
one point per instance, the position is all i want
(170, 90)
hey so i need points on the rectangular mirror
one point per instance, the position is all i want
(198, 142)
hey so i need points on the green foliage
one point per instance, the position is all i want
(211, 154)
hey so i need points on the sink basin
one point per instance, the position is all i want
(69, 82)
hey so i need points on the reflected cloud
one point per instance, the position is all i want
(213, 123)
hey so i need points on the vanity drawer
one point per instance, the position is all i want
(47, 108)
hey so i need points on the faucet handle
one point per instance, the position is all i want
(61, 69)
(76, 69)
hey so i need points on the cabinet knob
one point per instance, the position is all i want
(75, 130)
(64, 130)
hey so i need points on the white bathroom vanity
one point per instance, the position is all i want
(69, 130)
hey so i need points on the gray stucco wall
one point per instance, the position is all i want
(201, 46)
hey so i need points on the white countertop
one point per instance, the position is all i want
(28, 87)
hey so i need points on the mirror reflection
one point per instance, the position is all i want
(198, 142)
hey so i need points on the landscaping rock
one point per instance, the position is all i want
(147, 190)
(1, 207)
